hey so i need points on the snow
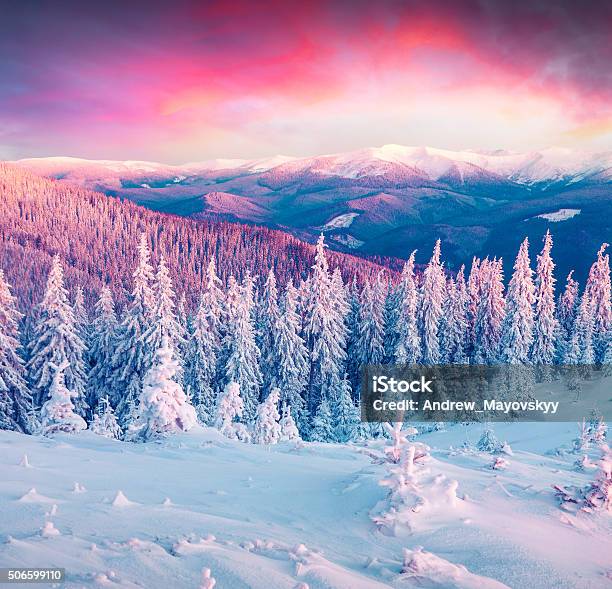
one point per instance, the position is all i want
(276, 516)
(341, 221)
(546, 167)
(560, 215)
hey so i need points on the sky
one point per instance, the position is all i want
(180, 81)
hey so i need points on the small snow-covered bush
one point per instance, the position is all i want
(105, 423)
(488, 441)
(289, 430)
(267, 427)
(230, 408)
(57, 414)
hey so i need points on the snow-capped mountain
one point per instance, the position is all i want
(397, 197)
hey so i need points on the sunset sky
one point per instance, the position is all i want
(186, 81)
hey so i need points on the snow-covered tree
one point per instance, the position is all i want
(408, 350)
(545, 322)
(132, 357)
(488, 441)
(598, 495)
(81, 318)
(102, 349)
(324, 329)
(56, 342)
(203, 349)
(370, 348)
(164, 323)
(566, 315)
(267, 429)
(104, 421)
(268, 313)
(57, 413)
(15, 399)
(473, 292)
(230, 408)
(490, 314)
(580, 348)
(163, 407)
(288, 366)
(598, 291)
(345, 414)
(431, 308)
(289, 430)
(454, 329)
(517, 330)
(242, 365)
(322, 426)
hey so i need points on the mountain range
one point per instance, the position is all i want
(384, 201)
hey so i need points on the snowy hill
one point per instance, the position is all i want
(262, 517)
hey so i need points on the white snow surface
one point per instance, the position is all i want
(155, 514)
(341, 221)
(560, 215)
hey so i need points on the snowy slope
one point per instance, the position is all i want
(272, 517)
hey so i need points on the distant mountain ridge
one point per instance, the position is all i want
(397, 198)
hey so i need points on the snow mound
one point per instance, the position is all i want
(33, 496)
(121, 500)
(49, 530)
(433, 572)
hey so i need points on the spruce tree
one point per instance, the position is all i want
(431, 308)
(268, 313)
(566, 315)
(56, 341)
(454, 328)
(408, 350)
(15, 398)
(288, 366)
(242, 365)
(517, 330)
(132, 357)
(203, 348)
(490, 314)
(345, 414)
(546, 328)
(322, 428)
(324, 329)
(370, 348)
(102, 349)
(163, 407)
(598, 290)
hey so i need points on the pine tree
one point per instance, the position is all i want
(324, 329)
(517, 330)
(580, 348)
(104, 421)
(598, 290)
(203, 349)
(545, 326)
(353, 321)
(566, 315)
(345, 414)
(370, 348)
(230, 408)
(490, 314)
(431, 308)
(391, 316)
(15, 399)
(454, 328)
(242, 365)
(289, 430)
(267, 429)
(81, 319)
(289, 363)
(322, 428)
(408, 349)
(57, 342)
(268, 313)
(57, 413)
(164, 323)
(488, 441)
(102, 348)
(132, 358)
(163, 407)
(473, 292)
